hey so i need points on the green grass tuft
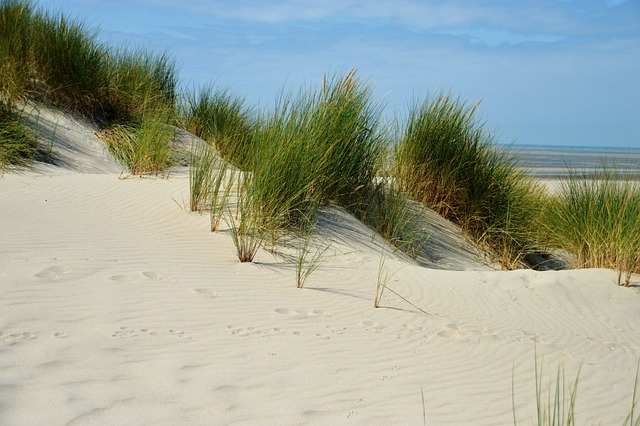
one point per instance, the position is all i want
(596, 217)
(223, 120)
(447, 160)
(18, 144)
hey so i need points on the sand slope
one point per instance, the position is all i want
(119, 307)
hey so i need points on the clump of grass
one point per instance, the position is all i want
(383, 284)
(395, 217)
(139, 80)
(144, 148)
(15, 53)
(210, 181)
(558, 408)
(224, 176)
(223, 120)
(308, 259)
(383, 280)
(51, 57)
(319, 146)
(447, 160)
(18, 144)
(596, 217)
(246, 231)
(70, 62)
(201, 167)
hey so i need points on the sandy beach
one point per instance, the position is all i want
(118, 306)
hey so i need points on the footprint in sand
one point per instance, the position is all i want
(130, 279)
(55, 273)
(123, 279)
(156, 276)
(336, 330)
(10, 339)
(126, 332)
(455, 332)
(297, 314)
(253, 331)
(372, 326)
(410, 331)
(206, 292)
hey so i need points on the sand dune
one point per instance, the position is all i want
(117, 306)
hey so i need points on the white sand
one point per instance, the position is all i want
(117, 306)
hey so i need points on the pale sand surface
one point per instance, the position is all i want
(117, 306)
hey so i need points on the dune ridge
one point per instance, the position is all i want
(117, 306)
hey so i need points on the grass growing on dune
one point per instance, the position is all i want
(223, 120)
(54, 58)
(447, 160)
(320, 146)
(396, 217)
(556, 404)
(308, 257)
(18, 145)
(144, 148)
(597, 219)
(210, 181)
(139, 80)
(246, 227)
(15, 52)
(201, 168)
(70, 63)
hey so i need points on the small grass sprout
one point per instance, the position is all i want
(245, 229)
(308, 258)
(201, 165)
(223, 178)
(558, 407)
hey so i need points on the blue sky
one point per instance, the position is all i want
(550, 72)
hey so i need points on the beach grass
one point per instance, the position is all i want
(224, 177)
(70, 62)
(139, 80)
(222, 119)
(556, 404)
(15, 52)
(322, 144)
(245, 225)
(447, 160)
(144, 148)
(308, 256)
(396, 217)
(201, 168)
(57, 59)
(596, 217)
(18, 144)
(319, 146)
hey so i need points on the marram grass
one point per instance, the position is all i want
(596, 217)
(145, 148)
(18, 144)
(555, 402)
(447, 160)
(54, 58)
(223, 120)
(321, 145)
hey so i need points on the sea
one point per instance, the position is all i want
(548, 161)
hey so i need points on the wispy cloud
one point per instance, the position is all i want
(548, 71)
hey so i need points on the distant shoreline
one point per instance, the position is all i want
(551, 162)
